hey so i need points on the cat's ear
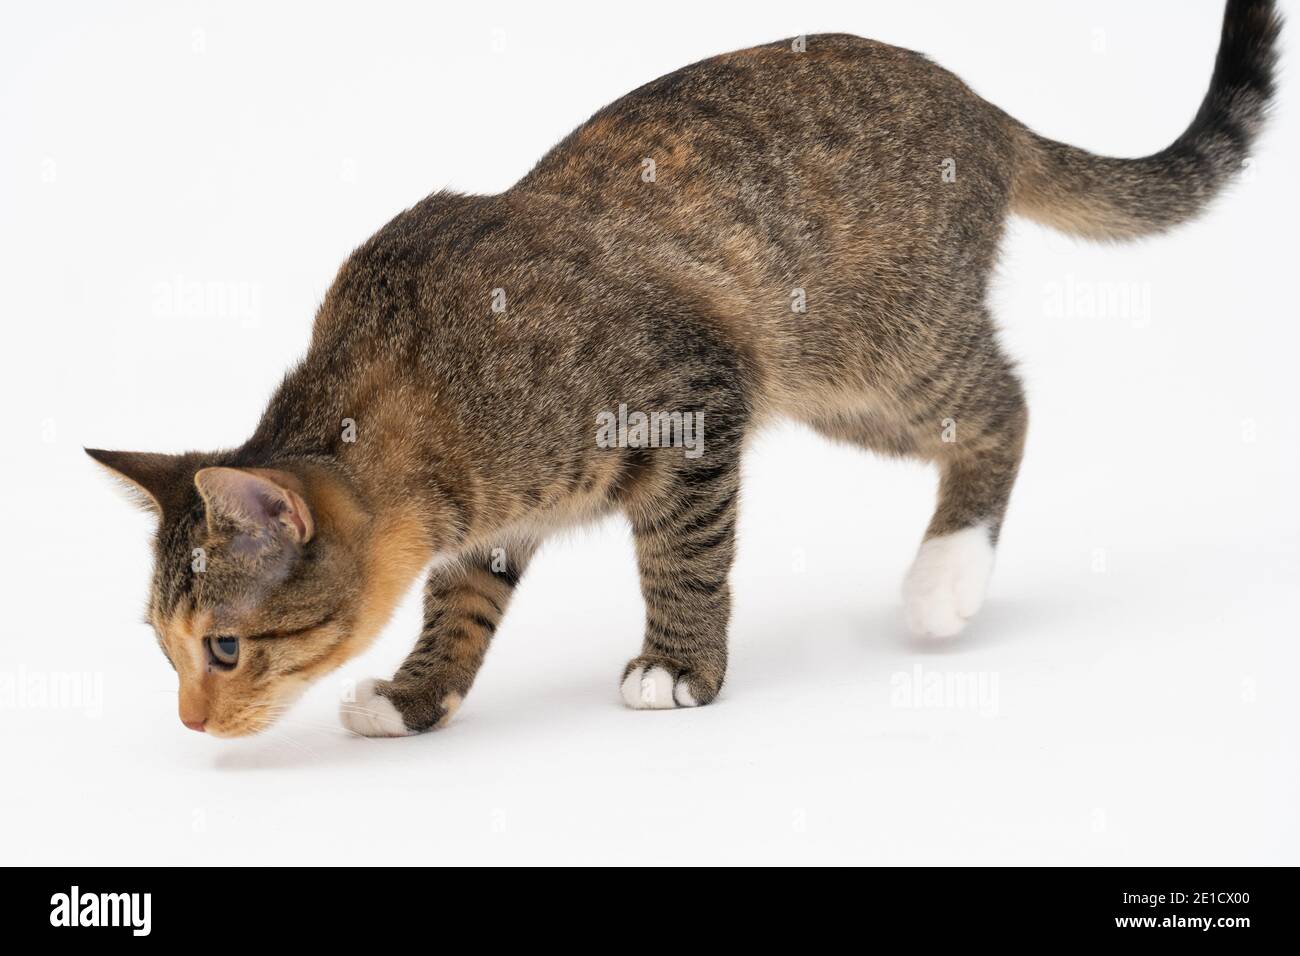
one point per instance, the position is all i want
(152, 480)
(259, 501)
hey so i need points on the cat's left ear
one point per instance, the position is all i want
(155, 481)
(259, 501)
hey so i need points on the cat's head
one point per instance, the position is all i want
(264, 579)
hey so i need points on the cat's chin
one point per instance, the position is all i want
(236, 731)
(258, 718)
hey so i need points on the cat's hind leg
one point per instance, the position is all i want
(968, 415)
(975, 431)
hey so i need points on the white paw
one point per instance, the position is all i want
(371, 715)
(654, 689)
(947, 581)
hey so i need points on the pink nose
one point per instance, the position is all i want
(194, 724)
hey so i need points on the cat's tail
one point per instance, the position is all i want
(1098, 197)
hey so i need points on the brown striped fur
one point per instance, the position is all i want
(815, 165)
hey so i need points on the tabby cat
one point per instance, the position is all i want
(802, 230)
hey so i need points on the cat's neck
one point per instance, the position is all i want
(367, 446)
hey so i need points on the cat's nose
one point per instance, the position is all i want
(193, 707)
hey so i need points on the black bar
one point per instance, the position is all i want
(1174, 906)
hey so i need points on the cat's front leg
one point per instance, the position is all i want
(464, 602)
(685, 544)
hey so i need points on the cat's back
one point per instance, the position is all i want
(797, 157)
(823, 99)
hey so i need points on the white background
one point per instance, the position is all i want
(178, 183)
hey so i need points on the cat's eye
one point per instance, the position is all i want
(224, 650)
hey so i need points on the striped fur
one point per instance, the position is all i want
(802, 230)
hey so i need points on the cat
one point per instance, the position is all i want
(801, 230)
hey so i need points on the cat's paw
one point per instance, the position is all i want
(656, 686)
(371, 714)
(947, 582)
